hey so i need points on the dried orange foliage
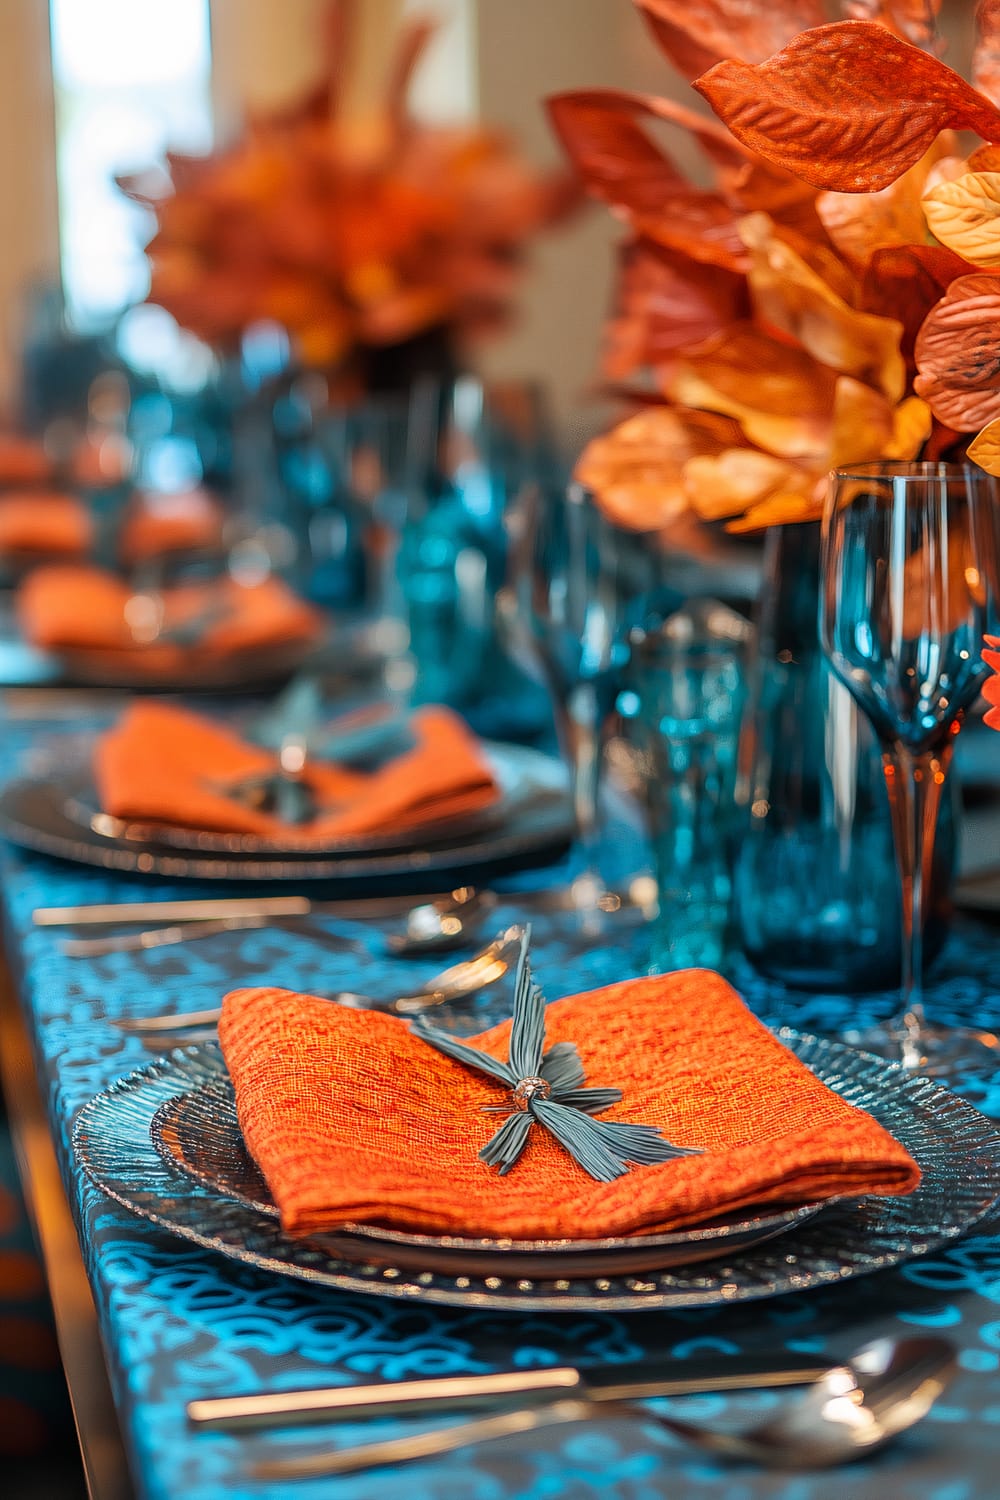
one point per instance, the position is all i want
(828, 106)
(350, 237)
(859, 316)
(697, 33)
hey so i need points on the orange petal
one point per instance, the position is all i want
(789, 297)
(965, 216)
(848, 106)
(958, 354)
(694, 34)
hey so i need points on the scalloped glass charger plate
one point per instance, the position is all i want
(530, 824)
(143, 1142)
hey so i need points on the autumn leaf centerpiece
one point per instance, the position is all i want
(830, 295)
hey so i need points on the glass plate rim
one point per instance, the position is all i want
(776, 1219)
(887, 1231)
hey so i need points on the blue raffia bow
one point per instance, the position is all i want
(547, 1089)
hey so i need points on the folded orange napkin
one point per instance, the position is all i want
(48, 522)
(353, 1119)
(23, 460)
(188, 521)
(77, 607)
(166, 765)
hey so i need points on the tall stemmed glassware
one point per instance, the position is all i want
(910, 562)
(562, 609)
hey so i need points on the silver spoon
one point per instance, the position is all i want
(464, 978)
(852, 1410)
(447, 922)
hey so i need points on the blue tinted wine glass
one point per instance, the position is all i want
(909, 586)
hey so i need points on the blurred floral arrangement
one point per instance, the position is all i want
(834, 296)
(358, 237)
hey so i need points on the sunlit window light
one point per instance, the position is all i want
(132, 77)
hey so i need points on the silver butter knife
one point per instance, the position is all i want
(632, 1381)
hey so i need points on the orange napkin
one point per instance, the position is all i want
(187, 521)
(54, 523)
(82, 608)
(163, 764)
(352, 1119)
(43, 521)
(23, 460)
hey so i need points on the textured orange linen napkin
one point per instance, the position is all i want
(44, 521)
(352, 1119)
(164, 764)
(66, 606)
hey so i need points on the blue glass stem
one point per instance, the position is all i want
(914, 783)
(579, 726)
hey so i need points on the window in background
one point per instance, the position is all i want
(132, 77)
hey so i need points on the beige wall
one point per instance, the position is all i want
(29, 230)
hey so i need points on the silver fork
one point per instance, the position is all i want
(457, 981)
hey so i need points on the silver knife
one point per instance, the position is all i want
(632, 1381)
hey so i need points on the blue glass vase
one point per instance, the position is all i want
(816, 889)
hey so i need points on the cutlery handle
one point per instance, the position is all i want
(121, 912)
(463, 1392)
(157, 937)
(425, 1444)
(440, 1393)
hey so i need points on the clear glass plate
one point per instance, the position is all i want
(957, 1149)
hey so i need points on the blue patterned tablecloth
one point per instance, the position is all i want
(179, 1322)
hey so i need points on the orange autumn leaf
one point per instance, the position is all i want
(782, 509)
(667, 302)
(986, 51)
(958, 354)
(965, 216)
(904, 282)
(914, 20)
(728, 483)
(861, 223)
(789, 297)
(621, 164)
(756, 184)
(984, 449)
(991, 687)
(867, 427)
(694, 34)
(615, 158)
(848, 107)
(636, 471)
(780, 396)
(983, 159)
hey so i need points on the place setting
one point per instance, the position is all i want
(500, 911)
